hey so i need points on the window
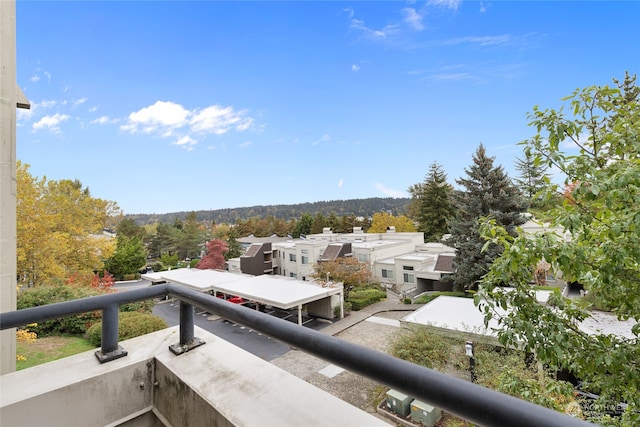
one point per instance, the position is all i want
(305, 259)
(387, 274)
(408, 278)
(294, 275)
(292, 257)
(362, 257)
(407, 267)
(304, 251)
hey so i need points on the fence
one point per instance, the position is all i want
(466, 400)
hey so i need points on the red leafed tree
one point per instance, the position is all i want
(214, 258)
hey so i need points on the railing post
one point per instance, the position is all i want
(110, 349)
(187, 340)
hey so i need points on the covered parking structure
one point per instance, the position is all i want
(267, 290)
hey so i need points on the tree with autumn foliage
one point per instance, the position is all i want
(214, 259)
(349, 271)
(382, 220)
(59, 228)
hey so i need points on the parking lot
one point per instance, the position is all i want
(252, 341)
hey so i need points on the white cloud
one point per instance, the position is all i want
(355, 67)
(186, 142)
(383, 33)
(168, 119)
(413, 18)
(340, 183)
(48, 76)
(349, 11)
(50, 123)
(101, 120)
(245, 144)
(23, 114)
(93, 109)
(452, 76)
(35, 78)
(451, 4)
(483, 7)
(389, 192)
(46, 103)
(482, 40)
(79, 101)
(324, 138)
(156, 117)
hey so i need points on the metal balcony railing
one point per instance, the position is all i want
(464, 399)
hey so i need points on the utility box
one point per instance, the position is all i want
(424, 413)
(399, 403)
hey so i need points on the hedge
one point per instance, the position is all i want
(433, 295)
(360, 298)
(70, 325)
(130, 324)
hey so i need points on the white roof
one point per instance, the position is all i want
(200, 280)
(277, 291)
(454, 314)
(461, 315)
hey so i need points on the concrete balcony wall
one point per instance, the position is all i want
(216, 384)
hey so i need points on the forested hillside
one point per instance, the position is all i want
(357, 207)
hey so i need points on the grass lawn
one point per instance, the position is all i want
(46, 349)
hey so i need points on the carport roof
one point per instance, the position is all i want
(271, 290)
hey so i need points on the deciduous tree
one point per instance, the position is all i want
(382, 220)
(214, 257)
(349, 271)
(59, 226)
(602, 253)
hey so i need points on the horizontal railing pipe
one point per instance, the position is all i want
(470, 401)
(14, 319)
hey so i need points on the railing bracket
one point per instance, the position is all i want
(178, 349)
(112, 355)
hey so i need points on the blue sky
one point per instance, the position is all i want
(179, 106)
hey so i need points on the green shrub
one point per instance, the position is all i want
(423, 348)
(140, 306)
(157, 266)
(347, 307)
(50, 294)
(407, 300)
(194, 262)
(130, 276)
(433, 295)
(130, 325)
(360, 298)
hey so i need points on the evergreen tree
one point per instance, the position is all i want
(303, 226)
(533, 179)
(487, 192)
(129, 257)
(435, 204)
(319, 222)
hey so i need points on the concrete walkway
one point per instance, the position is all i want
(358, 316)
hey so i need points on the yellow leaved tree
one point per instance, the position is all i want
(382, 220)
(59, 228)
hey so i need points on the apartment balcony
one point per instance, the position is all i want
(185, 376)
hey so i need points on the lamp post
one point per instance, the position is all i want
(468, 348)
